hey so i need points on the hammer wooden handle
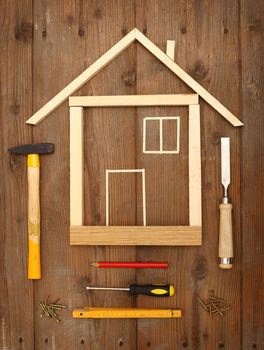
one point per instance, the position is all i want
(34, 269)
(225, 236)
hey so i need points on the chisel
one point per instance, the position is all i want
(225, 231)
(154, 290)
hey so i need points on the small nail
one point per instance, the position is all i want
(58, 306)
(44, 309)
(54, 315)
(220, 312)
(202, 303)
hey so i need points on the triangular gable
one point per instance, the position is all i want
(110, 55)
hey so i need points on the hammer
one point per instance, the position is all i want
(33, 151)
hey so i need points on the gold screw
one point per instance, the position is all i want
(202, 303)
(214, 305)
(49, 309)
(53, 314)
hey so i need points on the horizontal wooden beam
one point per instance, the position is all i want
(136, 235)
(134, 100)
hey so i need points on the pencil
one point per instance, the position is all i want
(137, 265)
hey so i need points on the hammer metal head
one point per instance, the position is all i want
(33, 148)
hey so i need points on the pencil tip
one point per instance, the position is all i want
(93, 264)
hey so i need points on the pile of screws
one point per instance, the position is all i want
(50, 309)
(214, 305)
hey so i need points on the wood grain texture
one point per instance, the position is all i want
(135, 235)
(225, 249)
(83, 78)
(16, 291)
(76, 166)
(170, 49)
(199, 28)
(68, 37)
(138, 100)
(86, 30)
(195, 171)
(252, 36)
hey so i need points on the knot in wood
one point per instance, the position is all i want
(98, 13)
(15, 161)
(200, 268)
(183, 30)
(81, 32)
(124, 31)
(129, 78)
(24, 31)
(184, 343)
(199, 71)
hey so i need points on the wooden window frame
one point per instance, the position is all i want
(161, 150)
(134, 235)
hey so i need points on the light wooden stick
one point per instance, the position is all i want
(170, 49)
(76, 166)
(136, 235)
(133, 100)
(144, 197)
(161, 135)
(107, 198)
(195, 193)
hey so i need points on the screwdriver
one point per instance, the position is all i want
(154, 290)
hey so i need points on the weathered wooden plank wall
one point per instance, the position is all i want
(16, 293)
(45, 44)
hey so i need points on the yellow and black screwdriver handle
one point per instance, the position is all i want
(154, 290)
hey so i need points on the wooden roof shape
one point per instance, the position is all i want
(110, 55)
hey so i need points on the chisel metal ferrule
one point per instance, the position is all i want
(226, 261)
(225, 200)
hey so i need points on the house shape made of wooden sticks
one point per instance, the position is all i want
(134, 235)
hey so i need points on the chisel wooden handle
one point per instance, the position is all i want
(34, 269)
(225, 236)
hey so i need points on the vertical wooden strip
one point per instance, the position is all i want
(195, 194)
(178, 133)
(144, 135)
(106, 197)
(76, 166)
(252, 38)
(144, 197)
(161, 135)
(170, 49)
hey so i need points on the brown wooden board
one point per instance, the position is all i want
(197, 27)
(220, 45)
(16, 291)
(252, 50)
(75, 35)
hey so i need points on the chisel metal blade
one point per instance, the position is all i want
(225, 163)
